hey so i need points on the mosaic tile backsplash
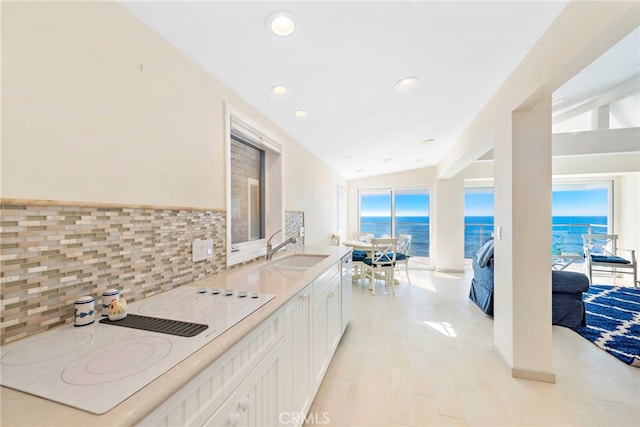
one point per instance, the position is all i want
(293, 221)
(52, 254)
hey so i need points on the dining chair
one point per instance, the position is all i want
(602, 254)
(381, 263)
(404, 252)
(358, 257)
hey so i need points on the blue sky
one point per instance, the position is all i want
(407, 204)
(478, 202)
(587, 200)
(566, 201)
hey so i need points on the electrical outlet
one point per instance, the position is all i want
(202, 250)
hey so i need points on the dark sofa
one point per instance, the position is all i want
(567, 307)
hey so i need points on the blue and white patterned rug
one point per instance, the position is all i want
(613, 321)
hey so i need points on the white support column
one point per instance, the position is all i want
(522, 302)
(450, 224)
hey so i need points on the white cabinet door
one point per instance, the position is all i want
(259, 399)
(320, 338)
(334, 317)
(298, 345)
(347, 286)
(203, 396)
(327, 324)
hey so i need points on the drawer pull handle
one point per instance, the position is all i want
(244, 404)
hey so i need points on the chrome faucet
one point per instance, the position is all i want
(271, 250)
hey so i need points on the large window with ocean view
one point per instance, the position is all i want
(397, 211)
(577, 209)
(478, 218)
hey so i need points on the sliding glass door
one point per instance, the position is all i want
(391, 212)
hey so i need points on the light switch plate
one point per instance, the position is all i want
(498, 233)
(202, 249)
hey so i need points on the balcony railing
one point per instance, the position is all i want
(564, 237)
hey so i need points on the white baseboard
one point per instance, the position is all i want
(449, 270)
(547, 377)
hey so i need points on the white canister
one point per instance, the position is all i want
(84, 311)
(107, 296)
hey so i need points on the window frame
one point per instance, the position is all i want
(605, 181)
(608, 182)
(392, 192)
(249, 131)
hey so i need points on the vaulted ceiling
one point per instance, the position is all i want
(341, 63)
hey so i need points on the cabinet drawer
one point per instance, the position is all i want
(196, 401)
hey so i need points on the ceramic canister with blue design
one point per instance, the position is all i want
(107, 296)
(84, 311)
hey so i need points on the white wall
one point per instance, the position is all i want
(98, 108)
(312, 187)
(448, 238)
(627, 211)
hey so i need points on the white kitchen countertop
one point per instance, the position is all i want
(22, 409)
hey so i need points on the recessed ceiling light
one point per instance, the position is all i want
(279, 90)
(419, 160)
(300, 113)
(406, 83)
(281, 23)
(387, 160)
(348, 157)
(428, 141)
(358, 170)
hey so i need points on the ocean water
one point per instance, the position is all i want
(567, 231)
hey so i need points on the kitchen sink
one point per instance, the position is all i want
(299, 261)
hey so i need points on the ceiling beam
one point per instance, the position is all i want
(621, 91)
(560, 54)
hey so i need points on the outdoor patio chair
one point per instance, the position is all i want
(602, 254)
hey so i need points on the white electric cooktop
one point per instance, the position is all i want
(95, 367)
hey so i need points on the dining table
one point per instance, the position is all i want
(359, 245)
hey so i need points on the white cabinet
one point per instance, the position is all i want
(334, 320)
(258, 400)
(272, 375)
(235, 373)
(327, 321)
(298, 345)
(347, 287)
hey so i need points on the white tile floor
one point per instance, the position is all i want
(425, 357)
